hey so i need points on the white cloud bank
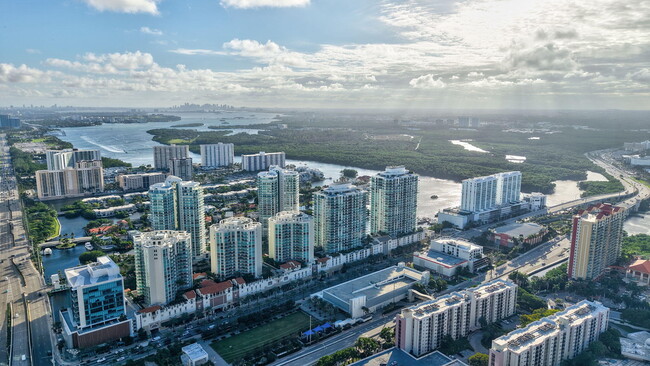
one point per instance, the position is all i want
(427, 82)
(248, 4)
(125, 6)
(483, 53)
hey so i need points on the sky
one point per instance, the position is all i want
(419, 54)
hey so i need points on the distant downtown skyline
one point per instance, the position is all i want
(522, 54)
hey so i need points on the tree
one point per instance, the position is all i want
(89, 257)
(437, 284)
(521, 279)
(536, 315)
(349, 173)
(529, 302)
(367, 346)
(387, 334)
(479, 359)
(420, 288)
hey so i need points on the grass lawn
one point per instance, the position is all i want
(179, 141)
(57, 231)
(254, 340)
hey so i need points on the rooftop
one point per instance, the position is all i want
(636, 345)
(640, 265)
(441, 258)
(461, 244)
(599, 211)
(195, 352)
(428, 307)
(376, 284)
(394, 171)
(537, 331)
(215, 288)
(290, 265)
(150, 309)
(340, 189)
(103, 270)
(515, 230)
(395, 356)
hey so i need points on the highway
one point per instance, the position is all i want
(31, 330)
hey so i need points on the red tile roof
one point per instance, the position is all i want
(290, 265)
(240, 280)
(199, 276)
(206, 283)
(98, 230)
(323, 260)
(216, 288)
(150, 309)
(190, 294)
(640, 265)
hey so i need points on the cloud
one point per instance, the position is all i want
(541, 57)
(269, 52)
(557, 51)
(151, 31)
(196, 51)
(642, 75)
(125, 6)
(127, 60)
(248, 4)
(110, 63)
(251, 48)
(32, 51)
(21, 74)
(427, 82)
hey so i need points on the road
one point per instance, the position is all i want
(31, 330)
(309, 355)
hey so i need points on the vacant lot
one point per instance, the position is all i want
(254, 340)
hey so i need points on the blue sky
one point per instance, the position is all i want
(541, 54)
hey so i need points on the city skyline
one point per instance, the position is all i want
(325, 182)
(488, 54)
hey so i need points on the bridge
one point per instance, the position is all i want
(53, 243)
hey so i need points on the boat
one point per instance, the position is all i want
(89, 246)
(47, 251)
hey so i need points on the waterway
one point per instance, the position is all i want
(467, 146)
(639, 224)
(61, 259)
(131, 143)
(568, 190)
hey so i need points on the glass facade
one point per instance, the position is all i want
(100, 303)
(393, 202)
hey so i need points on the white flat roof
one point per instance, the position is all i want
(195, 352)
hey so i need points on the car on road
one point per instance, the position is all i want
(101, 360)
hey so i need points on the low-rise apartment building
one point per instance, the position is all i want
(420, 329)
(551, 340)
